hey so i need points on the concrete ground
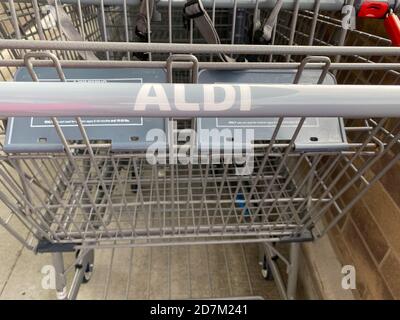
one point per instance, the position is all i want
(142, 273)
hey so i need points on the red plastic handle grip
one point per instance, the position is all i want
(392, 26)
(373, 9)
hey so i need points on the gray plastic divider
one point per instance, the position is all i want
(316, 134)
(37, 134)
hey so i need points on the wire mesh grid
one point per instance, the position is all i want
(113, 199)
(100, 21)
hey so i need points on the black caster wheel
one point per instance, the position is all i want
(134, 185)
(88, 273)
(88, 267)
(266, 270)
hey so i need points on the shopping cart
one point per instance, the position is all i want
(318, 99)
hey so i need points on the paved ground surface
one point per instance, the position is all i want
(143, 273)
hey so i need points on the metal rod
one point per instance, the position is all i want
(326, 5)
(293, 271)
(61, 281)
(125, 99)
(203, 65)
(196, 48)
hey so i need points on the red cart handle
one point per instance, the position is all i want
(392, 26)
(378, 10)
(373, 9)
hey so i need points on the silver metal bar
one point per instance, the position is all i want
(126, 25)
(172, 59)
(108, 278)
(38, 20)
(122, 99)
(314, 21)
(171, 242)
(170, 36)
(205, 65)
(148, 21)
(293, 271)
(57, 13)
(213, 21)
(14, 19)
(343, 33)
(233, 30)
(293, 25)
(82, 25)
(85, 257)
(197, 48)
(61, 281)
(173, 232)
(326, 5)
(275, 271)
(104, 26)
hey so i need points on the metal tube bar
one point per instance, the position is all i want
(293, 270)
(326, 5)
(14, 19)
(197, 48)
(61, 281)
(203, 65)
(124, 99)
(280, 285)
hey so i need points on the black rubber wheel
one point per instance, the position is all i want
(134, 185)
(266, 270)
(89, 267)
(88, 273)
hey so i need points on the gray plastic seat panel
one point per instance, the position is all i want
(125, 134)
(316, 133)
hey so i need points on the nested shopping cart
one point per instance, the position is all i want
(133, 123)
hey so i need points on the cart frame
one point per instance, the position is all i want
(74, 209)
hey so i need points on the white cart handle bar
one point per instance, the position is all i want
(197, 100)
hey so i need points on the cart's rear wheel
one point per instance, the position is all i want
(266, 270)
(88, 273)
(88, 267)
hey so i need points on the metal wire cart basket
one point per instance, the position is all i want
(312, 105)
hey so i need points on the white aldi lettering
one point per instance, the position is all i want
(180, 99)
(210, 101)
(152, 94)
(214, 97)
